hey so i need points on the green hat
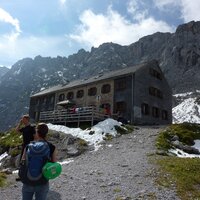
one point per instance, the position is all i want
(51, 170)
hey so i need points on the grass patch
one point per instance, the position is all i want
(2, 179)
(184, 173)
(108, 137)
(187, 133)
(116, 190)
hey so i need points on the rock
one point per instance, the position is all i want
(161, 152)
(72, 151)
(190, 150)
(177, 144)
(17, 161)
(7, 171)
(7, 162)
(175, 138)
(71, 139)
(185, 148)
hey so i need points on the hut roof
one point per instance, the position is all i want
(97, 78)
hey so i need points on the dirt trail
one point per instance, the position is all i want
(119, 170)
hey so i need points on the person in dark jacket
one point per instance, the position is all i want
(28, 133)
(27, 130)
(40, 190)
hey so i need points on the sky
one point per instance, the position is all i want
(61, 27)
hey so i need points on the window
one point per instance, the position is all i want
(105, 88)
(155, 112)
(70, 95)
(121, 84)
(164, 115)
(79, 94)
(155, 92)
(145, 109)
(155, 73)
(92, 91)
(61, 97)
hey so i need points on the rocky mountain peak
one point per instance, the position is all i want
(193, 27)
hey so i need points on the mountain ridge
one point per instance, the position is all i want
(3, 71)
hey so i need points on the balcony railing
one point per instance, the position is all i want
(64, 116)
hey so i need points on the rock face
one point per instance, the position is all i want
(178, 54)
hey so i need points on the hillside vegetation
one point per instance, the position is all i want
(183, 172)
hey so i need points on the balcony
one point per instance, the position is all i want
(77, 115)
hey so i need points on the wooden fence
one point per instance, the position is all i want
(64, 116)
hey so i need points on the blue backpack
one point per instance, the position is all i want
(37, 154)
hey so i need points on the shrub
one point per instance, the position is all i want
(124, 129)
(82, 142)
(10, 139)
(108, 137)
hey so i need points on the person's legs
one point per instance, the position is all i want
(22, 151)
(41, 191)
(27, 192)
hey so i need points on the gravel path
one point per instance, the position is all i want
(119, 170)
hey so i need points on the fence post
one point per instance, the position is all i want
(92, 120)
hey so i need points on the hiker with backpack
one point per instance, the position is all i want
(35, 156)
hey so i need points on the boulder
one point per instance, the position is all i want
(190, 150)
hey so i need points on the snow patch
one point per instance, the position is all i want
(95, 135)
(187, 111)
(2, 156)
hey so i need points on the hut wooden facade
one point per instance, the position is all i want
(139, 94)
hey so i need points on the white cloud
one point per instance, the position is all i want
(132, 6)
(189, 9)
(137, 10)
(7, 18)
(96, 29)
